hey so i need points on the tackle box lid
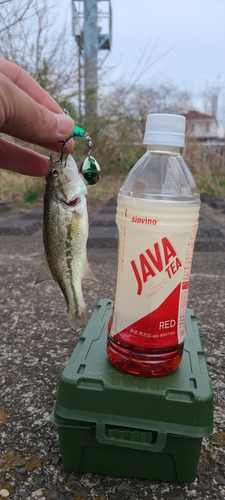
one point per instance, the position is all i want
(93, 391)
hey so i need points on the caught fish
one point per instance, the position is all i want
(65, 232)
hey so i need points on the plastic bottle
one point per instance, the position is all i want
(157, 218)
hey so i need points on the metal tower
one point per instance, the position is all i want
(92, 29)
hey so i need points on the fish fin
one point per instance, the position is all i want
(88, 273)
(44, 273)
(76, 321)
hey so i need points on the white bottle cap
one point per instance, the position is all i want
(165, 130)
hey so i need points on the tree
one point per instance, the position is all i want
(128, 110)
(10, 15)
(32, 37)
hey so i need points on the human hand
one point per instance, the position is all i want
(29, 113)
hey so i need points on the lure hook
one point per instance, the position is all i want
(63, 151)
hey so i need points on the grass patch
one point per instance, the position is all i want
(20, 189)
(106, 188)
(31, 196)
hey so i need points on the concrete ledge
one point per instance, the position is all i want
(19, 226)
(103, 232)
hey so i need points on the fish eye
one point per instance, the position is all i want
(55, 172)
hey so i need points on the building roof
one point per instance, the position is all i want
(196, 115)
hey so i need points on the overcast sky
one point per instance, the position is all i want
(193, 29)
(191, 34)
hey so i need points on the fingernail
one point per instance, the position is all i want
(65, 125)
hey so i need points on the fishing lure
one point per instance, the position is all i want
(90, 168)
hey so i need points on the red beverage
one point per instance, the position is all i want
(157, 218)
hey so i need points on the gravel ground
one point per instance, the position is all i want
(35, 346)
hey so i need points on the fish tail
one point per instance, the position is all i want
(76, 320)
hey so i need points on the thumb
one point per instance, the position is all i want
(24, 118)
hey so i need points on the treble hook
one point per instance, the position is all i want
(63, 150)
(60, 160)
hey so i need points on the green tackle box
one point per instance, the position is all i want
(113, 423)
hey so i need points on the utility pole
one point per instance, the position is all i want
(92, 31)
(90, 57)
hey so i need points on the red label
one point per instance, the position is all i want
(157, 329)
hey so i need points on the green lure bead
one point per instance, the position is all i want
(78, 132)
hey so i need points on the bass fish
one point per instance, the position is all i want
(65, 233)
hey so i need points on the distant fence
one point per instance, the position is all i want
(207, 163)
(203, 154)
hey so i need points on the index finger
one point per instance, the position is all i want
(25, 82)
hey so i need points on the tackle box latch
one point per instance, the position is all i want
(138, 439)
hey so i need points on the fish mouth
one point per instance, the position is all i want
(73, 203)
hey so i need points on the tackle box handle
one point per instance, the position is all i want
(130, 438)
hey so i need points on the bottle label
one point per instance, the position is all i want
(154, 265)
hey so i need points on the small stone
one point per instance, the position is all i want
(23, 494)
(23, 470)
(220, 479)
(4, 493)
(125, 488)
(206, 486)
(211, 360)
(75, 485)
(48, 486)
(55, 460)
(18, 464)
(37, 494)
(60, 488)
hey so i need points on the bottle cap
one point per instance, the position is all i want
(165, 130)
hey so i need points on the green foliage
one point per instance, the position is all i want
(33, 190)
(31, 196)
(123, 158)
(206, 187)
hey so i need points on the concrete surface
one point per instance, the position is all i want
(36, 344)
